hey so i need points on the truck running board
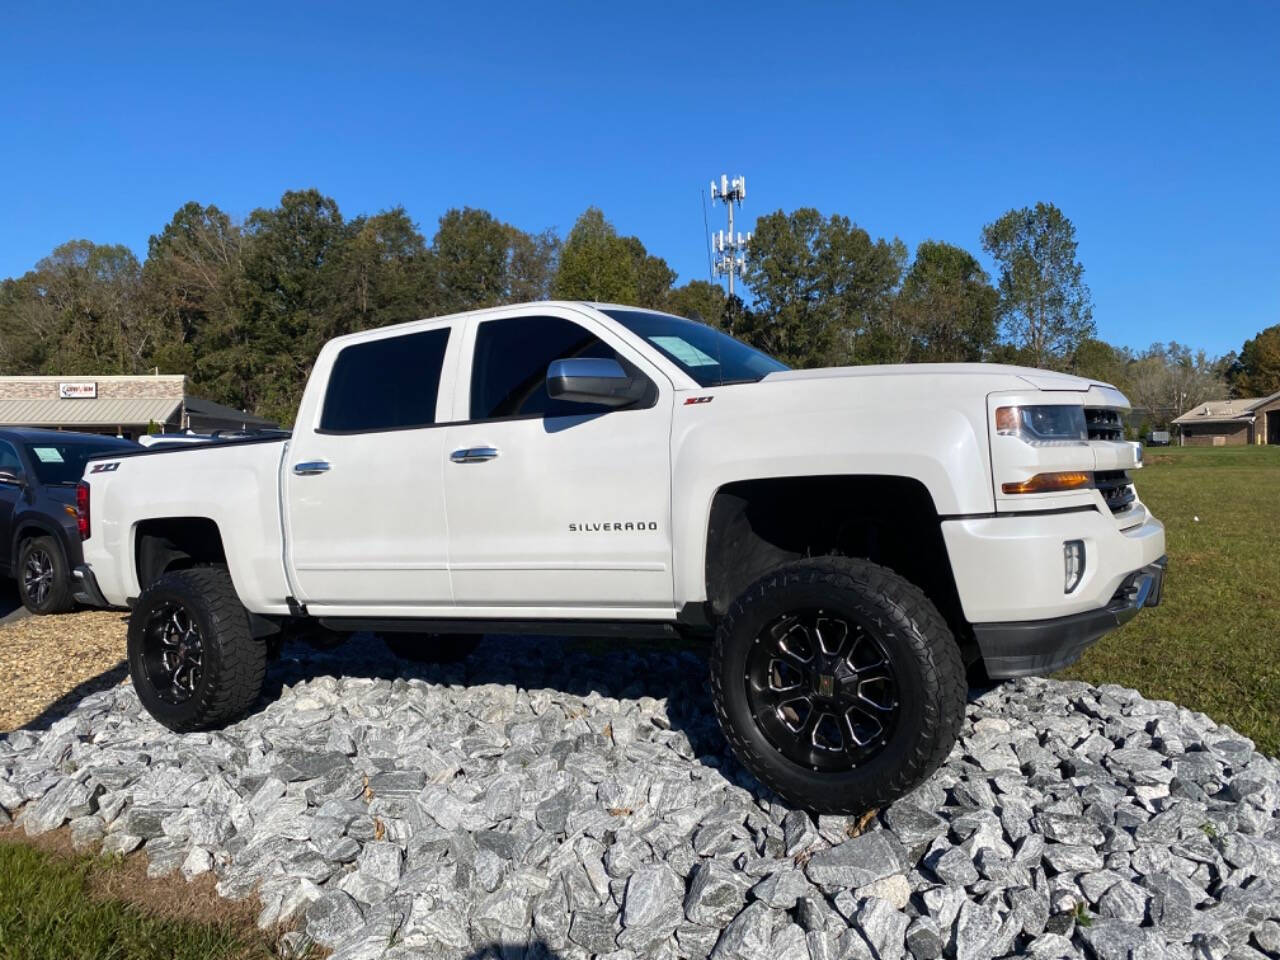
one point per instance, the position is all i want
(637, 629)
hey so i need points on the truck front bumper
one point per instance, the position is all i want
(1029, 647)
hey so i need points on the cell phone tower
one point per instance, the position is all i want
(729, 250)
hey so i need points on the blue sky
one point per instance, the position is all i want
(1154, 126)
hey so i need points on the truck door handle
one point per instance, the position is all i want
(473, 454)
(310, 468)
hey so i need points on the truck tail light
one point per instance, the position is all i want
(1051, 482)
(82, 509)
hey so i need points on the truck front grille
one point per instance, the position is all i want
(1116, 489)
(1104, 423)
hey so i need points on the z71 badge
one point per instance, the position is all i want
(105, 467)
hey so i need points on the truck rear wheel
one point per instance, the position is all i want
(193, 660)
(432, 647)
(838, 684)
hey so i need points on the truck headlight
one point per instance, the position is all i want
(1072, 564)
(1043, 425)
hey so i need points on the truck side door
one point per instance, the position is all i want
(554, 504)
(364, 506)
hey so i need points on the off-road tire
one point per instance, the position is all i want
(924, 656)
(60, 597)
(432, 647)
(234, 663)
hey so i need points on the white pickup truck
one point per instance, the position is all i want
(857, 541)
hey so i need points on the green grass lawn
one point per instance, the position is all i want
(1213, 644)
(51, 909)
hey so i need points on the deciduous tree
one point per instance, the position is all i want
(947, 307)
(597, 264)
(1258, 370)
(1170, 379)
(1045, 304)
(822, 288)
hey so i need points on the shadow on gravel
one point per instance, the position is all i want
(535, 950)
(623, 670)
(71, 699)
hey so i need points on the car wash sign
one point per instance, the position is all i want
(84, 390)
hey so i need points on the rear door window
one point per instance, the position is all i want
(387, 384)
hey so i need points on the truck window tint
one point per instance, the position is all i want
(385, 384)
(509, 371)
(9, 458)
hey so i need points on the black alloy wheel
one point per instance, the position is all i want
(837, 683)
(37, 575)
(822, 689)
(193, 658)
(173, 652)
(43, 577)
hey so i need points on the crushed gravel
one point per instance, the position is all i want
(554, 803)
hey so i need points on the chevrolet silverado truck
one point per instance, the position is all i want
(856, 542)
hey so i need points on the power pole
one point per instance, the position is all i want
(729, 253)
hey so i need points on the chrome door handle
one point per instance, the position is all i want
(473, 454)
(310, 468)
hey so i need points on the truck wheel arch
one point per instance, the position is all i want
(162, 545)
(755, 526)
(29, 527)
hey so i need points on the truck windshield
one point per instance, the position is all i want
(712, 358)
(62, 461)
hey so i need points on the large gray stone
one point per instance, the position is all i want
(715, 894)
(596, 930)
(333, 917)
(67, 800)
(858, 862)
(1110, 939)
(976, 931)
(651, 907)
(924, 939)
(781, 890)
(954, 867)
(380, 860)
(884, 927)
(748, 936)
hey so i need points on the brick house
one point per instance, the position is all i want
(1231, 423)
(117, 405)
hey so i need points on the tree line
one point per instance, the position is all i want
(242, 308)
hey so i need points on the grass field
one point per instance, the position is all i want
(56, 905)
(1213, 644)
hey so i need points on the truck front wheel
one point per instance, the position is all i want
(192, 657)
(838, 684)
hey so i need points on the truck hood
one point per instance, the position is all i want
(1040, 379)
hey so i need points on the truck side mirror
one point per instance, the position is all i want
(593, 380)
(12, 478)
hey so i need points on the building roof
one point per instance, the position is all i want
(95, 412)
(1239, 410)
(201, 408)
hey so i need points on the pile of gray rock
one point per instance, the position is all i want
(537, 801)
